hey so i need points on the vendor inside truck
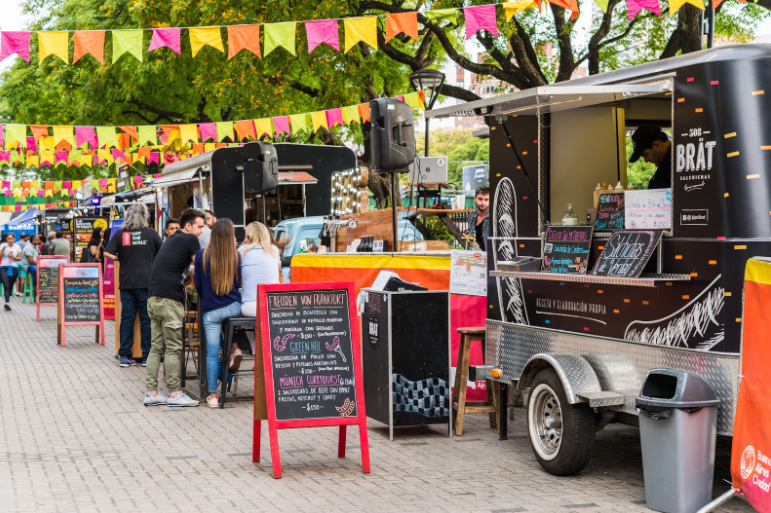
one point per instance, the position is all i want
(653, 144)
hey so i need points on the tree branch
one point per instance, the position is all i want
(174, 117)
(567, 63)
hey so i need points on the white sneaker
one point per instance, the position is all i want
(155, 401)
(181, 400)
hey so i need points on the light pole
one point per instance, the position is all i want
(431, 81)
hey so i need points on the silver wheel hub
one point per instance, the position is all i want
(547, 421)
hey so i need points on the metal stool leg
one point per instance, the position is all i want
(226, 360)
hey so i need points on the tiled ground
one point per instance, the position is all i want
(75, 437)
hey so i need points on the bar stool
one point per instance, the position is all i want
(459, 405)
(229, 327)
(29, 289)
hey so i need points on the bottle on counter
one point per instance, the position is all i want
(570, 218)
(619, 187)
(630, 187)
(473, 245)
(597, 191)
(324, 238)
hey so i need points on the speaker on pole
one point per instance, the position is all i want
(392, 136)
(260, 167)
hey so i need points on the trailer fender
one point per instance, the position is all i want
(575, 373)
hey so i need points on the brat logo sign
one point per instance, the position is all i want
(694, 158)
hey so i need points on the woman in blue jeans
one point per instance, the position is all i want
(217, 280)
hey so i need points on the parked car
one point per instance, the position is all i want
(301, 235)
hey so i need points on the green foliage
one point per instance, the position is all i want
(460, 148)
(638, 173)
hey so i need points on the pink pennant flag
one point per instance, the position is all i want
(635, 6)
(480, 17)
(62, 156)
(5, 155)
(322, 31)
(2, 136)
(400, 97)
(115, 155)
(85, 134)
(31, 144)
(18, 208)
(153, 157)
(8, 192)
(208, 130)
(138, 180)
(14, 43)
(281, 124)
(334, 117)
(67, 185)
(6, 184)
(168, 37)
(41, 193)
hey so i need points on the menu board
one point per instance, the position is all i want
(626, 253)
(648, 209)
(311, 354)
(566, 249)
(468, 272)
(82, 302)
(610, 212)
(83, 228)
(48, 279)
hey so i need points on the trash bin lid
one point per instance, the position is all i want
(682, 390)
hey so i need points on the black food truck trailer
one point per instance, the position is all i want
(584, 341)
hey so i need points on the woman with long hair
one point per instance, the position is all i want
(91, 253)
(260, 263)
(10, 255)
(217, 280)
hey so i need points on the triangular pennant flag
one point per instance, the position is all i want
(53, 43)
(147, 134)
(602, 4)
(15, 134)
(351, 114)
(61, 156)
(166, 37)
(569, 5)
(243, 37)
(516, 7)
(85, 134)
(131, 131)
(322, 31)
(439, 15)
(47, 144)
(39, 131)
(675, 5)
(360, 29)
(245, 130)
(209, 147)
(224, 129)
(106, 136)
(14, 43)
(281, 125)
(205, 36)
(188, 133)
(263, 127)
(334, 117)
(126, 41)
(635, 6)
(208, 130)
(170, 133)
(319, 119)
(481, 17)
(63, 133)
(299, 122)
(34, 161)
(405, 22)
(280, 35)
(89, 42)
(364, 112)
(413, 100)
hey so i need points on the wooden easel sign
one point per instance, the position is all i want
(80, 299)
(310, 374)
(47, 283)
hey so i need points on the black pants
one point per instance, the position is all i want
(8, 281)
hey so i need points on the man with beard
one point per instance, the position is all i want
(479, 219)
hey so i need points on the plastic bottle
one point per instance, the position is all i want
(570, 218)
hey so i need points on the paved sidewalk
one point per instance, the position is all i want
(75, 437)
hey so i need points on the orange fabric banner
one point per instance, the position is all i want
(406, 22)
(243, 37)
(364, 112)
(39, 131)
(131, 130)
(751, 451)
(89, 42)
(245, 130)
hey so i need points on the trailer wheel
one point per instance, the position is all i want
(561, 434)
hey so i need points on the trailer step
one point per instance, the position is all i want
(601, 399)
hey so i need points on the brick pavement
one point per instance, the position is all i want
(75, 437)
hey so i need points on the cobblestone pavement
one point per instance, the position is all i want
(75, 437)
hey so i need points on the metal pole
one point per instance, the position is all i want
(711, 23)
(393, 212)
(730, 494)
(503, 397)
(426, 148)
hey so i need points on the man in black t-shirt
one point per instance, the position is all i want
(166, 308)
(135, 247)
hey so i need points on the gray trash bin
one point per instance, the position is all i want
(678, 428)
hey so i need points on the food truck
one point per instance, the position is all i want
(584, 340)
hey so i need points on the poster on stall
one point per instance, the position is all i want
(108, 288)
(649, 209)
(468, 273)
(83, 227)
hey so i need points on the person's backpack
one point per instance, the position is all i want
(86, 257)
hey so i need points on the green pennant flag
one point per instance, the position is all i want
(147, 134)
(603, 4)
(126, 41)
(107, 136)
(298, 122)
(351, 113)
(16, 133)
(58, 185)
(438, 15)
(225, 129)
(76, 155)
(280, 35)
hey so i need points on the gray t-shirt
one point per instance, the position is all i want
(60, 247)
(30, 250)
(205, 236)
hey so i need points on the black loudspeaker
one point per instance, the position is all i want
(260, 167)
(392, 136)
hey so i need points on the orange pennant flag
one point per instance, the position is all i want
(63, 145)
(89, 42)
(245, 130)
(143, 151)
(406, 22)
(131, 130)
(168, 130)
(243, 37)
(364, 112)
(39, 131)
(570, 5)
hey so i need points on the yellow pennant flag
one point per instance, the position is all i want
(360, 29)
(53, 43)
(675, 5)
(516, 7)
(319, 119)
(64, 133)
(263, 127)
(33, 161)
(188, 133)
(203, 36)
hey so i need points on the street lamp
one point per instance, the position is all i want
(431, 81)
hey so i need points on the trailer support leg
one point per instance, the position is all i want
(504, 403)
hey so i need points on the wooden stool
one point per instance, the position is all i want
(459, 405)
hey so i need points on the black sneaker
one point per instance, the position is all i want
(8, 307)
(144, 362)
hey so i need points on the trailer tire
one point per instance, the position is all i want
(561, 434)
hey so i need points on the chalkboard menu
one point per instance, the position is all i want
(610, 212)
(48, 279)
(82, 302)
(626, 253)
(566, 249)
(311, 354)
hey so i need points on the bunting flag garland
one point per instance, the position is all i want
(167, 37)
(281, 125)
(106, 136)
(572, 5)
(63, 133)
(188, 133)
(351, 114)
(280, 35)
(126, 41)
(480, 17)
(518, 6)
(364, 112)
(360, 30)
(635, 6)
(53, 43)
(85, 135)
(39, 131)
(323, 31)
(440, 15)
(208, 131)
(334, 117)
(243, 37)
(15, 134)
(245, 130)
(319, 119)
(205, 36)
(89, 42)
(263, 127)
(299, 122)
(675, 5)
(147, 134)
(14, 43)
(602, 4)
(224, 130)
(402, 23)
